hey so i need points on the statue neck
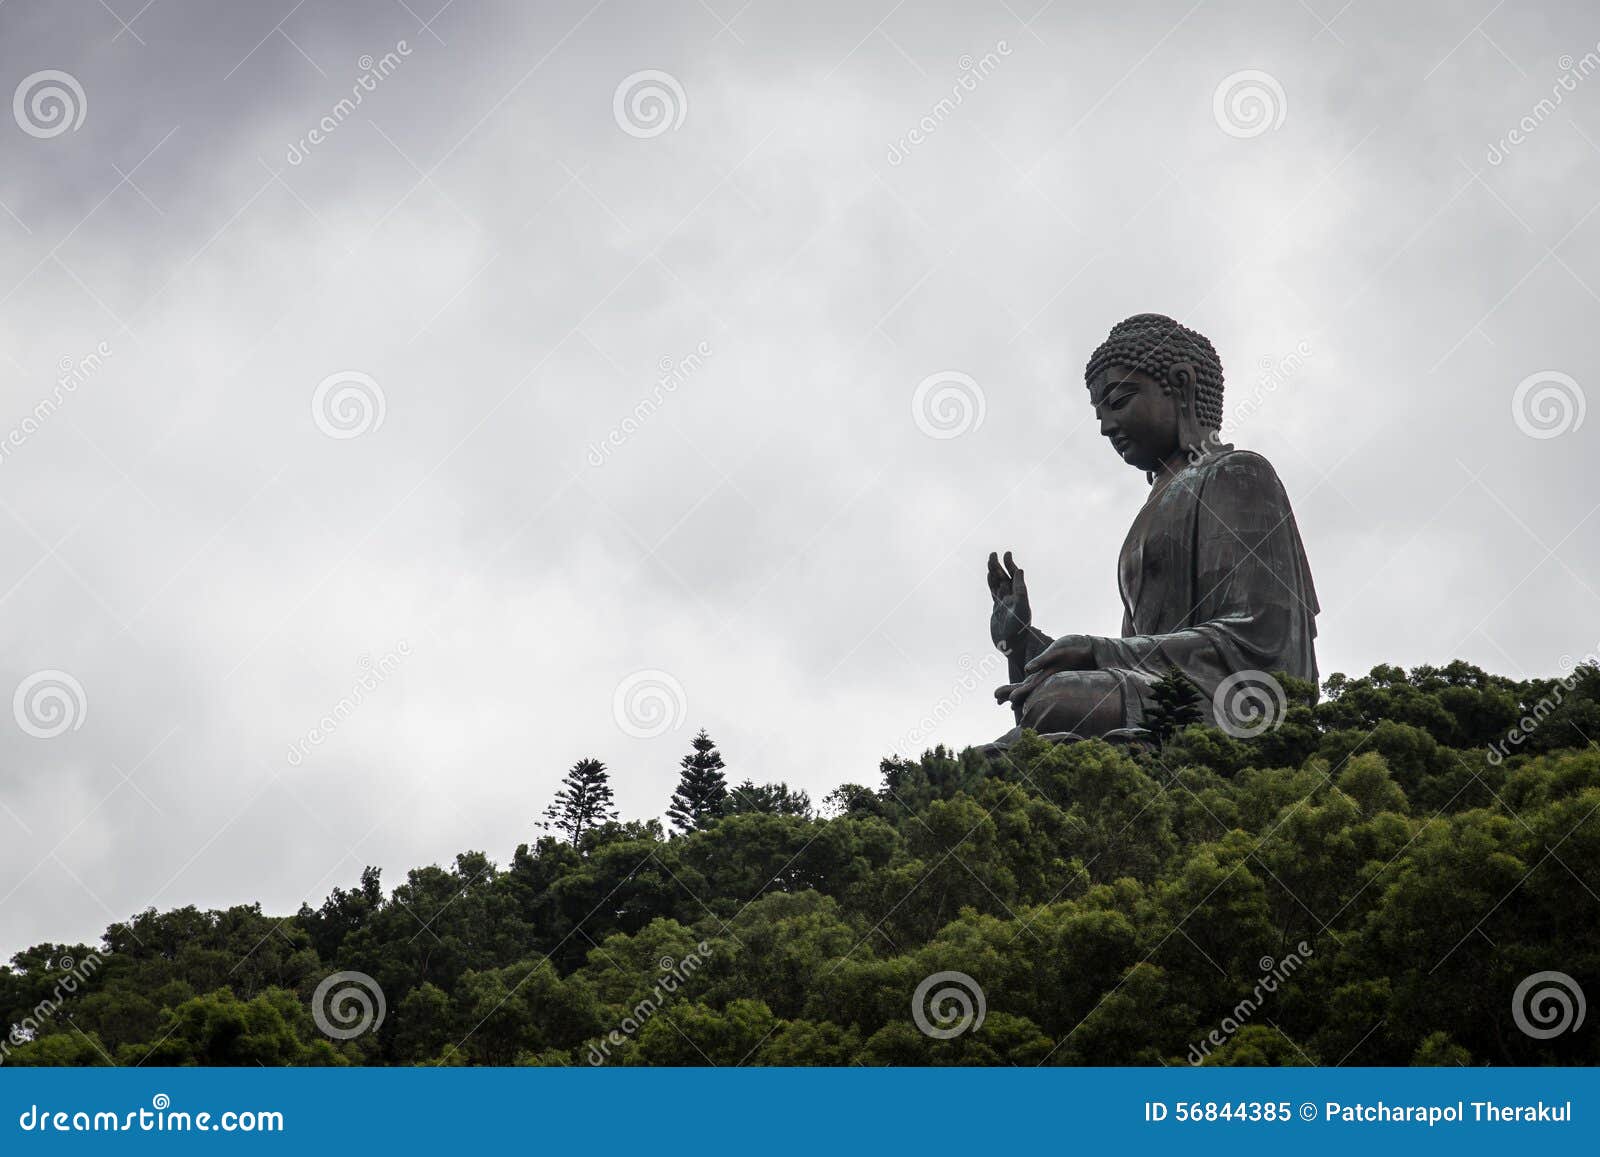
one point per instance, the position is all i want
(1182, 457)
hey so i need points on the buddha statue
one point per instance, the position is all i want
(1213, 577)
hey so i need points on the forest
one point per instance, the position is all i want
(1367, 883)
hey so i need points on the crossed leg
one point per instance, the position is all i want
(1071, 704)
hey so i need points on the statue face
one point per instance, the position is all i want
(1138, 414)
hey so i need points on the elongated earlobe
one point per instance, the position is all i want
(1191, 438)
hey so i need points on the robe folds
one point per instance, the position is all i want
(1214, 582)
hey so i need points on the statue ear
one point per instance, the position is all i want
(1181, 382)
(1181, 377)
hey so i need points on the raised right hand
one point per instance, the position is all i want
(1012, 616)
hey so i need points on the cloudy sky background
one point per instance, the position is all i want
(782, 537)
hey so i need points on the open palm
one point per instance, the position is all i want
(1012, 616)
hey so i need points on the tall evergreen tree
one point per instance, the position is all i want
(1175, 703)
(702, 793)
(583, 801)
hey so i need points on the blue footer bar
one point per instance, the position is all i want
(800, 1111)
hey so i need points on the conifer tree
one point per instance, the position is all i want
(702, 793)
(583, 801)
(1175, 703)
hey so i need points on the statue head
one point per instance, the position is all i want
(1157, 388)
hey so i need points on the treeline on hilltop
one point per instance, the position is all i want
(1398, 856)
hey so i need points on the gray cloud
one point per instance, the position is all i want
(513, 270)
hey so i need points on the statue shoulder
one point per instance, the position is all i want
(1240, 469)
(1232, 461)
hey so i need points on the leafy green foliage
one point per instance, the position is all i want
(1114, 906)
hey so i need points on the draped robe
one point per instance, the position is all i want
(1214, 581)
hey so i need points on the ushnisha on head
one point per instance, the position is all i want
(1156, 386)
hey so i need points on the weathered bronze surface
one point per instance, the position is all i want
(1213, 576)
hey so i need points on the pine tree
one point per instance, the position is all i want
(702, 793)
(583, 801)
(1175, 703)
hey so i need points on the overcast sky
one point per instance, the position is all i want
(364, 403)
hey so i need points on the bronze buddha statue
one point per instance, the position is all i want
(1213, 576)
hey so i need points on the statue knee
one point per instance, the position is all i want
(1086, 702)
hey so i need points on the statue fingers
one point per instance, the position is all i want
(1044, 663)
(1017, 692)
